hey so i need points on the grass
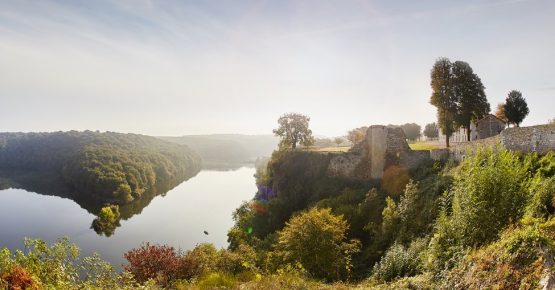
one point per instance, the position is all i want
(332, 149)
(425, 145)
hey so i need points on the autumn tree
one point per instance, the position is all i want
(469, 95)
(516, 108)
(430, 130)
(356, 135)
(500, 113)
(293, 129)
(318, 240)
(443, 98)
(412, 130)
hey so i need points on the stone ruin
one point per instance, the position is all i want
(382, 147)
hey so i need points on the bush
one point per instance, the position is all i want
(317, 240)
(57, 266)
(488, 193)
(217, 281)
(160, 263)
(519, 259)
(17, 278)
(399, 261)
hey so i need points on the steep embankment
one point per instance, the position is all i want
(110, 167)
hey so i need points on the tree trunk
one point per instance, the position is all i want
(447, 140)
(468, 133)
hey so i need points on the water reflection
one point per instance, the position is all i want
(179, 218)
(108, 216)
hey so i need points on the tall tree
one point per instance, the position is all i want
(516, 108)
(356, 135)
(500, 113)
(293, 129)
(469, 95)
(442, 97)
(412, 130)
(430, 130)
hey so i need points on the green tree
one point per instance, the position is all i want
(443, 98)
(293, 129)
(412, 130)
(430, 130)
(516, 108)
(317, 239)
(469, 95)
(107, 220)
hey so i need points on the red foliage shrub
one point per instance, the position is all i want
(161, 263)
(18, 279)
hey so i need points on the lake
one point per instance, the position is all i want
(178, 218)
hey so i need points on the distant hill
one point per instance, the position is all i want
(228, 150)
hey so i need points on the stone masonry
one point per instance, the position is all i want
(382, 147)
(387, 146)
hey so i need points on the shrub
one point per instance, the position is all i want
(399, 261)
(542, 198)
(161, 263)
(519, 259)
(217, 281)
(317, 240)
(17, 278)
(488, 193)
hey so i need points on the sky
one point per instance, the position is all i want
(204, 67)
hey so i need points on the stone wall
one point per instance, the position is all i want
(387, 146)
(382, 147)
(540, 139)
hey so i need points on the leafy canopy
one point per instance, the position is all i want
(516, 108)
(430, 130)
(293, 129)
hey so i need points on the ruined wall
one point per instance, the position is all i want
(540, 139)
(382, 147)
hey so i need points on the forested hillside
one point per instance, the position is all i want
(110, 167)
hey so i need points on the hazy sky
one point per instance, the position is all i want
(193, 67)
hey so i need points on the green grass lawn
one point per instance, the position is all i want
(424, 146)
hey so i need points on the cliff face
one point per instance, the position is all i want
(383, 147)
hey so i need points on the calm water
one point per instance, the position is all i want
(204, 202)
